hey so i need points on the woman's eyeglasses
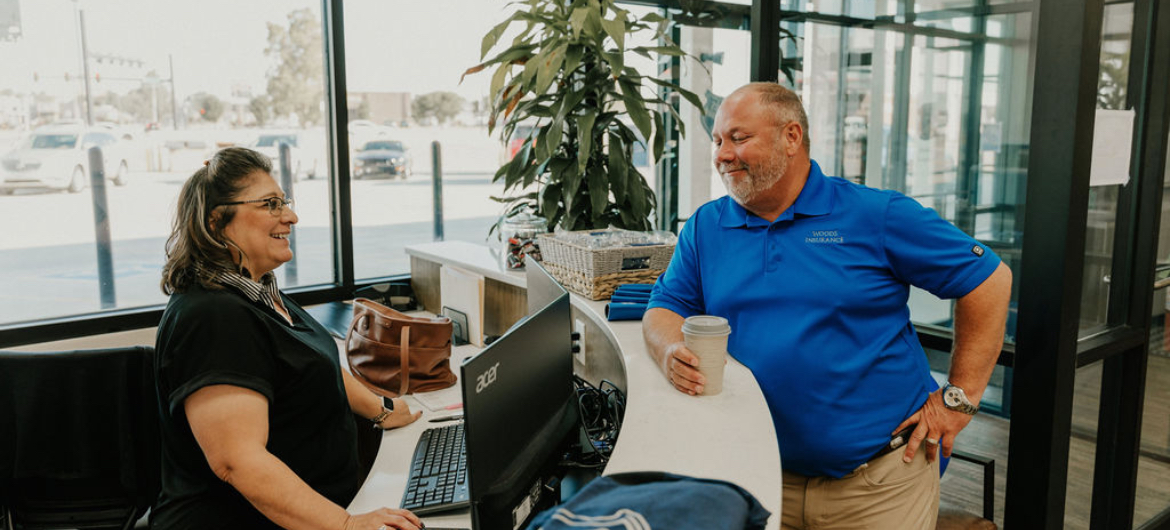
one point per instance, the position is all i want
(275, 205)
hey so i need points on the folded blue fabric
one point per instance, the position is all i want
(649, 499)
(634, 288)
(625, 310)
(640, 298)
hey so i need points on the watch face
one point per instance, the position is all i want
(951, 398)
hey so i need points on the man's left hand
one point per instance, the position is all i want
(937, 427)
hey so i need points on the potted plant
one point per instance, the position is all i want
(564, 77)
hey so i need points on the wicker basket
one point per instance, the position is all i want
(595, 273)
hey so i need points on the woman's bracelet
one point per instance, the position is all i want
(381, 417)
(387, 409)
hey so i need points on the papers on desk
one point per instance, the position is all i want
(440, 400)
(462, 290)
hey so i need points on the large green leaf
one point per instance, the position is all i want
(549, 68)
(493, 35)
(617, 167)
(636, 192)
(552, 139)
(573, 58)
(585, 137)
(616, 29)
(528, 176)
(550, 199)
(565, 170)
(531, 68)
(635, 107)
(501, 172)
(517, 166)
(577, 20)
(519, 52)
(659, 136)
(498, 79)
(593, 22)
(615, 60)
(543, 151)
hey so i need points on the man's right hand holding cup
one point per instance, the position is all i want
(681, 367)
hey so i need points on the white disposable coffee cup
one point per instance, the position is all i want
(706, 337)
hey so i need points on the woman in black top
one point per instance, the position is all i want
(256, 422)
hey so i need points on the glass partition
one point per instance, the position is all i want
(1152, 498)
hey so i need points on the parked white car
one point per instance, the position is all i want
(57, 157)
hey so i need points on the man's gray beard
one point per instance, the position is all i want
(754, 183)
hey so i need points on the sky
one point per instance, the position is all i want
(414, 46)
(391, 45)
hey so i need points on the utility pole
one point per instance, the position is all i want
(85, 70)
(174, 105)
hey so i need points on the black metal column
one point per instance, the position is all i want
(1067, 52)
(968, 171)
(1124, 376)
(765, 25)
(338, 123)
(895, 176)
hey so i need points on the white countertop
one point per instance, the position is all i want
(479, 259)
(727, 436)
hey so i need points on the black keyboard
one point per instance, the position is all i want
(438, 472)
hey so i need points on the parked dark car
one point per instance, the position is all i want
(382, 158)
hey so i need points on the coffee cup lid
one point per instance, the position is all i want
(706, 325)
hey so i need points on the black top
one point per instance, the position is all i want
(219, 337)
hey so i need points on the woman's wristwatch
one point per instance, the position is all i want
(387, 409)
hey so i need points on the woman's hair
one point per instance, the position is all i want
(786, 103)
(196, 242)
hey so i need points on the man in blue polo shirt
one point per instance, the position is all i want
(813, 273)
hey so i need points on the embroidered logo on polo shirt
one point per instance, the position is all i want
(824, 236)
(977, 250)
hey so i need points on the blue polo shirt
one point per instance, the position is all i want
(817, 306)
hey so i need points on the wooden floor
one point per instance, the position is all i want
(987, 436)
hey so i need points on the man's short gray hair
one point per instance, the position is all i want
(785, 103)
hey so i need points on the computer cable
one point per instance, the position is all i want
(601, 409)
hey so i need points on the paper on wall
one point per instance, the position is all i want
(462, 290)
(1112, 145)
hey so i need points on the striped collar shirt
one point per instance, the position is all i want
(265, 291)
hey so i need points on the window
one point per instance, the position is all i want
(165, 90)
(405, 98)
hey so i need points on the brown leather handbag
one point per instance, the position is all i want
(394, 354)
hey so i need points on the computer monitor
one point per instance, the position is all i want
(519, 406)
(541, 286)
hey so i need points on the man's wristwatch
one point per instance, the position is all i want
(956, 399)
(387, 409)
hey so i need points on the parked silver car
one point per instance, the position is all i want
(57, 157)
(302, 157)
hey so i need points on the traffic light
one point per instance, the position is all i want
(97, 77)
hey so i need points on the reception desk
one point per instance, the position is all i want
(727, 436)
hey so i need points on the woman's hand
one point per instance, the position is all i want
(384, 519)
(400, 416)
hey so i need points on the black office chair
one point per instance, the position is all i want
(79, 438)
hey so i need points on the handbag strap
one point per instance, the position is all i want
(404, 357)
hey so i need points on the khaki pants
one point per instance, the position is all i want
(884, 493)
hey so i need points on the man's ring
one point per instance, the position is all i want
(383, 527)
(931, 441)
